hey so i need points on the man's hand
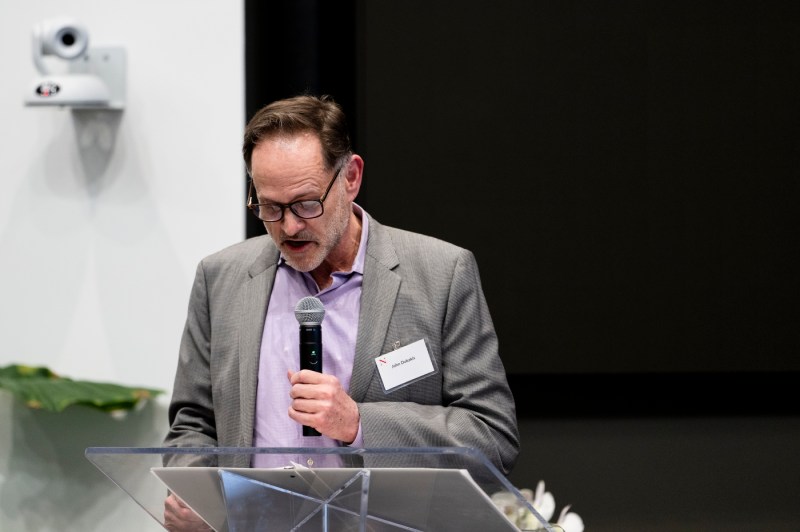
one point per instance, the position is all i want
(180, 518)
(319, 401)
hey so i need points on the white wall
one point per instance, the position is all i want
(103, 219)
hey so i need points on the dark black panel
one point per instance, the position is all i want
(625, 172)
(654, 395)
(299, 46)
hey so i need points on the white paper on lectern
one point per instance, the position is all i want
(390, 489)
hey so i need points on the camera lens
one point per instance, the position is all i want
(67, 38)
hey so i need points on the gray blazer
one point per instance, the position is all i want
(414, 287)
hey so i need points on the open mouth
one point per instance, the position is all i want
(297, 245)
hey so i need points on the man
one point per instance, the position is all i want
(238, 382)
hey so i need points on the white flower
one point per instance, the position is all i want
(543, 502)
(570, 521)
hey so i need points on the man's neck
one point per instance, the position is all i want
(342, 257)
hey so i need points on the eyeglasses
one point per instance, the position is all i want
(306, 209)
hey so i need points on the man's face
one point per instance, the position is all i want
(289, 169)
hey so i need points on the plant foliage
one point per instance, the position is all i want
(40, 388)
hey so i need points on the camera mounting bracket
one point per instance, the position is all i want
(95, 80)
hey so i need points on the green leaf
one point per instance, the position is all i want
(39, 387)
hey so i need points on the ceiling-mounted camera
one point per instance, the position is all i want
(94, 77)
(65, 38)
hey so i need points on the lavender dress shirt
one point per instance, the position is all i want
(280, 349)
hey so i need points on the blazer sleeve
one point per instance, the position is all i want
(475, 405)
(191, 411)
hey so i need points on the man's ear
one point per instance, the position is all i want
(352, 175)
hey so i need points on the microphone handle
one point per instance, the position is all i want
(311, 357)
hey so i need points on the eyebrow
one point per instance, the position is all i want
(302, 196)
(337, 169)
(295, 199)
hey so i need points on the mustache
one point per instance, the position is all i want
(299, 236)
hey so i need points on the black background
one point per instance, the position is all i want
(625, 172)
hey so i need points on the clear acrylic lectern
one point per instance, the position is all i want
(319, 489)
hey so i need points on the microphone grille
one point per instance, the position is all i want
(309, 311)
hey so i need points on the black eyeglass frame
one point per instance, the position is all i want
(254, 207)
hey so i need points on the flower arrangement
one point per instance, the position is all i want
(543, 502)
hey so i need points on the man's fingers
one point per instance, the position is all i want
(180, 518)
(310, 406)
(306, 376)
(318, 392)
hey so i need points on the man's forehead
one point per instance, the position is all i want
(302, 152)
(304, 141)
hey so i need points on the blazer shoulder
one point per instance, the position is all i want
(416, 246)
(255, 252)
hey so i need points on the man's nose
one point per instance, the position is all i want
(291, 223)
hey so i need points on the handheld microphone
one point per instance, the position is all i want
(310, 312)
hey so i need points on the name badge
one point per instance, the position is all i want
(405, 365)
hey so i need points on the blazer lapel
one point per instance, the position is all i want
(255, 298)
(378, 294)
